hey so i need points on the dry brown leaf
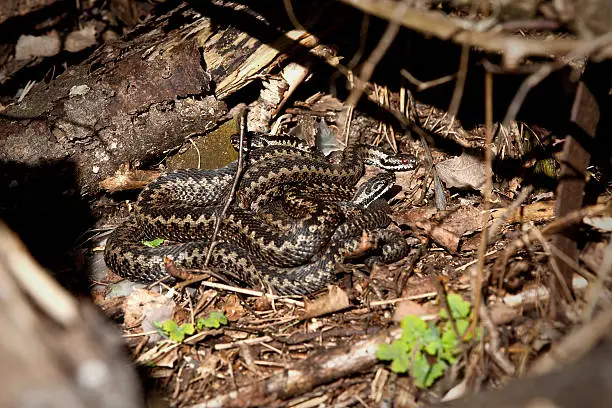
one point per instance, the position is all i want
(167, 360)
(79, 40)
(335, 299)
(414, 215)
(465, 171)
(233, 309)
(128, 179)
(462, 220)
(144, 307)
(443, 237)
(412, 308)
(29, 46)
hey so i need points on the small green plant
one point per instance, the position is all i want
(426, 351)
(213, 321)
(177, 333)
(171, 329)
(153, 243)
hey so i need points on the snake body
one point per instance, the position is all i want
(294, 253)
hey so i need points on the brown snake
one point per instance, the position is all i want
(296, 255)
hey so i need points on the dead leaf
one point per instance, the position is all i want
(30, 46)
(168, 360)
(208, 367)
(79, 40)
(412, 308)
(465, 171)
(144, 307)
(462, 220)
(233, 309)
(411, 216)
(600, 223)
(127, 179)
(335, 299)
(443, 237)
(262, 304)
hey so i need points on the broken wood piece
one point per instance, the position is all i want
(307, 374)
(575, 158)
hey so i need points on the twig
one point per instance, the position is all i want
(253, 293)
(576, 344)
(556, 226)
(562, 284)
(230, 197)
(493, 346)
(453, 108)
(438, 189)
(370, 64)
(482, 249)
(603, 275)
(397, 300)
(292, 17)
(585, 49)
(492, 231)
(195, 146)
(513, 48)
(421, 86)
(250, 342)
(467, 265)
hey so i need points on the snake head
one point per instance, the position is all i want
(397, 162)
(373, 189)
(389, 161)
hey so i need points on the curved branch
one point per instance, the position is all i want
(513, 48)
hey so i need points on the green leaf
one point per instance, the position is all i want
(213, 321)
(176, 333)
(153, 243)
(462, 326)
(398, 353)
(401, 365)
(432, 341)
(459, 307)
(388, 352)
(413, 329)
(436, 371)
(420, 369)
(449, 338)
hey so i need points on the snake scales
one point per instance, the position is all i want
(295, 217)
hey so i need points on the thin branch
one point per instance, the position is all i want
(232, 193)
(432, 23)
(585, 49)
(421, 86)
(370, 64)
(453, 108)
(482, 249)
(292, 16)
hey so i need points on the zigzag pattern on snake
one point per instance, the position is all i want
(292, 255)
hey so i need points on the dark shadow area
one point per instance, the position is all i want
(547, 105)
(43, 206)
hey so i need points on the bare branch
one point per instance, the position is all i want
(513, 48)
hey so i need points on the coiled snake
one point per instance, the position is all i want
(295, 217)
